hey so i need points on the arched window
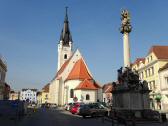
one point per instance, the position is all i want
(87, 97)
(65, 56)
(71, 93)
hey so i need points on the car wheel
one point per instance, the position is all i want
(93, 115)
(84, 116)
(105, 114)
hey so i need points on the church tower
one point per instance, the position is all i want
(65, 43)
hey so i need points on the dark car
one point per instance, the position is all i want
(93, 110)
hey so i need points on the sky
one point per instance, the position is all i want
(30, 31)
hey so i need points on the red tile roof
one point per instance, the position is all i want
(96, 84)
(79, 71)
(63, 67)
(46, 88)
(86, 85)
(107, 88)
(138, 60)
(161, 52)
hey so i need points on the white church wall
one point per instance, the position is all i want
(71, 84)
(78, 94)
(91, 93)
(53, 91)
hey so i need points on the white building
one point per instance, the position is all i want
(29, 95)
(73, 81)
(163, 77)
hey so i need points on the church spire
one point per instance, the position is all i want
(65, 33)
(66, 14)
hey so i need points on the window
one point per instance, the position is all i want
(71, 93)
(154, 86)
(46, 96)
(65, 56)
(152, 69)
(87, 97)
(148, 59)
(146, 73)
(151, 58)
(166, 80)
(142, 75)
(149, 85)
(149, 73)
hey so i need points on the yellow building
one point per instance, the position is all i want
(39, 98)
(45, 94)
(148, 69)
(14, 95)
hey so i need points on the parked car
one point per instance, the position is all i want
(67, 106)
(93, 110)
(53, 105)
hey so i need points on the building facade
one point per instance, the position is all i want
(148, 69)
(45, 94)
(3, 70)
(39, 98)
(7, 91)
(29, 95)
(163, 77)
(107, 93)
(14, 95)
(73, 80)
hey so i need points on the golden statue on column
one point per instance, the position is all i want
(125, 30)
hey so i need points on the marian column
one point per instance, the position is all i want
(125, 30)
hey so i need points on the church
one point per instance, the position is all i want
(73, 81)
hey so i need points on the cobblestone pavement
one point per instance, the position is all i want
(59, 117)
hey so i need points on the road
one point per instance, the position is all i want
(55, 117)
(58, 117)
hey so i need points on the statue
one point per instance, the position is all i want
(120, 78)
(130, 78)
(126, 24)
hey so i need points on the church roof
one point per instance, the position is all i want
(65, 36)
(63, 67)
(79, 71)
(86, 85)
(161, 52)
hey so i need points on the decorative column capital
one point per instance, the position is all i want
(125, 22)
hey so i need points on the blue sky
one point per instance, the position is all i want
(30, 30)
